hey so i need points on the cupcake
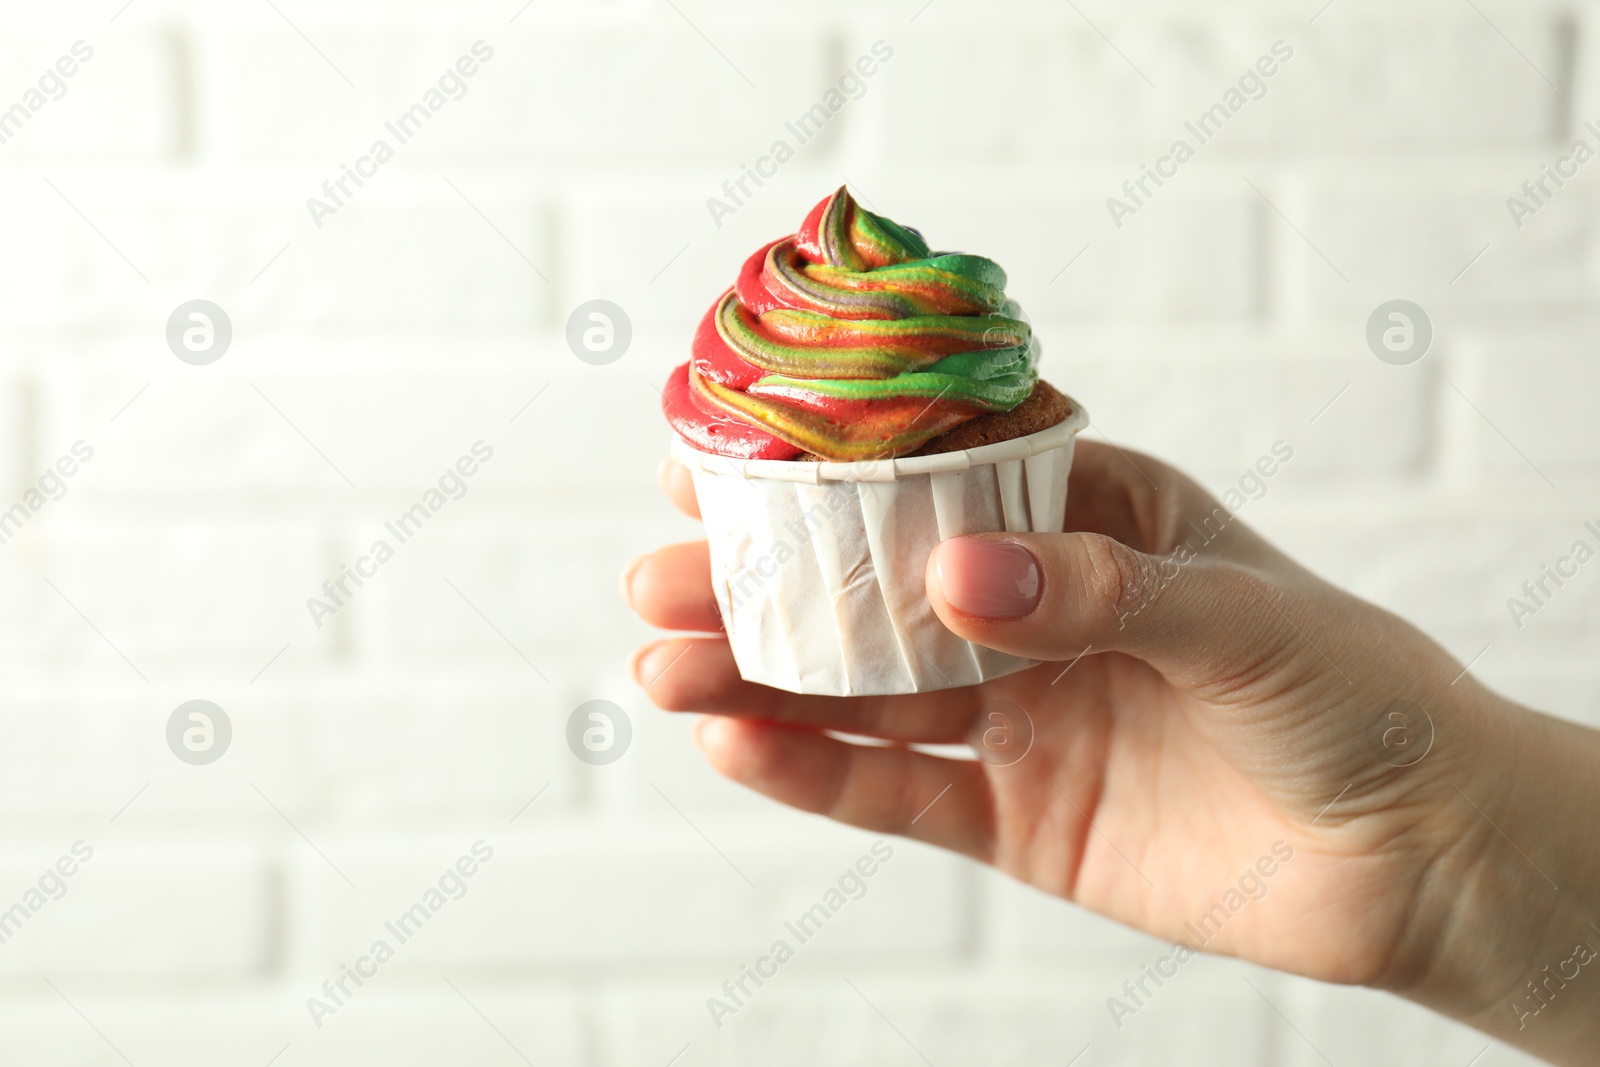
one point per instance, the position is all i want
(851, 401)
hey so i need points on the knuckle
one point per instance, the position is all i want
(1115, 577)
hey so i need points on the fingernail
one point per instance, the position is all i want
(627, 579)
(989, 579)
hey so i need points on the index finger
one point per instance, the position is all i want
(1150, 506)
(678, 484)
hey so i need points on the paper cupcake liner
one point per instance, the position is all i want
(818, 567)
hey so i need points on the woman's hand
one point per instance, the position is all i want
(1206, 704)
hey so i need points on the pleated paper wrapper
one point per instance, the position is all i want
(818, 567)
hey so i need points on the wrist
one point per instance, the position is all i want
(1506, 901)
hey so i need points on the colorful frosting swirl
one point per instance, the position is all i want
(850, 340)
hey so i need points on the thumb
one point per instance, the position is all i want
(1052, 596)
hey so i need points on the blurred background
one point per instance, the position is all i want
(354, 761)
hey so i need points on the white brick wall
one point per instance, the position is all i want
(375, 750)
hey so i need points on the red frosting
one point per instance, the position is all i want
(823, 319)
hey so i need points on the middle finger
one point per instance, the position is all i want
(671, 588)
(699, 674)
